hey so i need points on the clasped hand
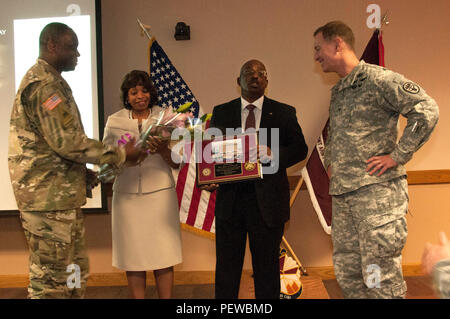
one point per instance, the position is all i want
(135, 153)
(156, 144)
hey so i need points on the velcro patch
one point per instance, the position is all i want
(411, 88)
(52, 102)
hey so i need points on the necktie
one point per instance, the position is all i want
(250, 122)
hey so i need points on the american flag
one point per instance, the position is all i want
(52, 102)
(172, 90)
(196, 207)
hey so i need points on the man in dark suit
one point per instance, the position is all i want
(256, 208)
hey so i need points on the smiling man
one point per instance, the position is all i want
(365, 164)
(48, 150)
(258, 208)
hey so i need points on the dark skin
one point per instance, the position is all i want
(139, 99)
(158, 145)
(62, 54)
(253, 82)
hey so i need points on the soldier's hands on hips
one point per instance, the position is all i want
(380, 163)
(329, 172)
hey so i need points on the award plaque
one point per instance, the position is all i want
(228, 159)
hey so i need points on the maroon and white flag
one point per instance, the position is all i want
(315, 173)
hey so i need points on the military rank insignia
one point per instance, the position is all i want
(360, 78)
(411, 88)
(52, 102)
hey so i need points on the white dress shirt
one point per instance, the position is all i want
(257, 110)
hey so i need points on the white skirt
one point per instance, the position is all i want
(146, 230)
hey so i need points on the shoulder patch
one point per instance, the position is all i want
(52, 102)
(411, 88)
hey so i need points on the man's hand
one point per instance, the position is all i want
(263, 153)
(91, 178)
(434, 253)
(381, 163)
(209, 187)
(329, 172)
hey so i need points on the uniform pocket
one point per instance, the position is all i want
(385, 235)
(49, 235)
(48, 252)
(54, 226)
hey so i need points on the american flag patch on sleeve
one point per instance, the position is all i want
(52, 102)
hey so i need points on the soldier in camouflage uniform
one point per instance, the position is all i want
(48, 150)
(365, 164)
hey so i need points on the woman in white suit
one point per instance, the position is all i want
(145, 222)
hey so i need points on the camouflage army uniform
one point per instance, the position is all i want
(369, 224)
(441, 278)
(48, 150)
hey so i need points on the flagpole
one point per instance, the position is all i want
(297, 189)
(144, 29)
(285, 242)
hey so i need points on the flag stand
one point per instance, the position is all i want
(285, 242)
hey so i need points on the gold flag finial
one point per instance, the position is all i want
(384, 19)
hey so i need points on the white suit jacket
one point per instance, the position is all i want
(150, 175)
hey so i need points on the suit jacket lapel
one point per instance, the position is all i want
(230, 116)
(266, 114)
(236, 116)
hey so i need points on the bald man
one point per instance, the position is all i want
(48, 150)
(260, 208)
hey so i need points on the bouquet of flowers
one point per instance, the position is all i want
(167, 121)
